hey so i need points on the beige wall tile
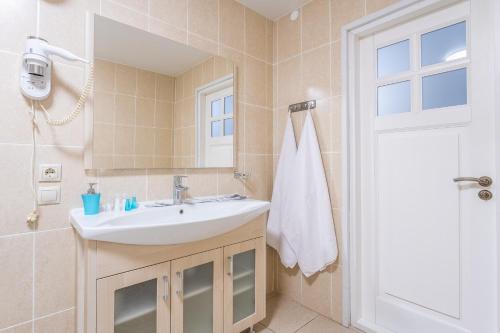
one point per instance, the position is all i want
(316, 74)
(68, 14)
(60, 322)
(203, 43)
(103, 139)
(104, 72)
(289, 78)
(255, 80)
(124, 140)
(125, 110)
(144, 141)
(164, 114)
(143, 162)
(315, 24)
(123, 161)
(173, 12)
(55, 259)
(166, 30)
(232, 16)
(111, 183)
(322, 117)
(146, 84)
(316, 291)
(17, 202)
(160, 184)
(285, 315)
(145, 112)
(290, 282)
(14, 106)
(255, 34)
(123, 14)
(227, 184)
(125, 79)
(258, 130)
(163, 142)
(165, 86)
(259, 184)
(18, 20)
(288, 38)
(23, 328)
(204, 18)
(337, 293)
(343, 12)
(104, 107)
(374, 5)
(202, 182)
(336, 70)
(139, 5)
(16, 280)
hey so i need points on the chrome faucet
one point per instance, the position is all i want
(178, 190)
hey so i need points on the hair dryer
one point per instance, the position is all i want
(36, 70)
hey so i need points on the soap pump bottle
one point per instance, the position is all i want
(91, 201)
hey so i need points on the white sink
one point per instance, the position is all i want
(167, 225)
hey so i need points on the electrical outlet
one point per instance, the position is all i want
(50, 172)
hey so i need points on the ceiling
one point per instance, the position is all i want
(273, 9)
(123, 44)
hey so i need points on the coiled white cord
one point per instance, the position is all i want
(32, 218)
(79, 105)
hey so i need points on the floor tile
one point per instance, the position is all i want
(323, 324)
(286, 316)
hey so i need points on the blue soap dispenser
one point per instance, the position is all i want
(91, 201)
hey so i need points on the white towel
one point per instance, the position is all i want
(308, 222)
(279, 201)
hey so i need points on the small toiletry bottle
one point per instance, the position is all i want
(117, 204)
(91, 201)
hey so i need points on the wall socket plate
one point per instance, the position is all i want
(50, 172)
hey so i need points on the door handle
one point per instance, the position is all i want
(165, 285)
(230, 264)
(483, 181)
(179, 291)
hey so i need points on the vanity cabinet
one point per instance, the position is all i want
(211, 286)
(244, 285)
(135, 301)
(198, 292)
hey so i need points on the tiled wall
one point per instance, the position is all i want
(307, 66)
(184, 107)
(133, 117)
(38, 266)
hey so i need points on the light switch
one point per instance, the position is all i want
(49, 195)
(50, 172)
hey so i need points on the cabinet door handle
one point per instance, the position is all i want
(165, 286)
(181, 284)
(230, 263)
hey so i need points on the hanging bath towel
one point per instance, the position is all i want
(308, 219)
(281, 193)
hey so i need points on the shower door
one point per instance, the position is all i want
(427, 236)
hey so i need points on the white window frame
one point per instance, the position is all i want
(200, 104)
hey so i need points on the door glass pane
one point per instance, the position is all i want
(198, 299)
(216, 108)
(444, 89)
(216, 128)
(446, 44)
(228, 104)
(135, 308)
(393, 59)
(394, 98)
(243, 285)
(228, 126)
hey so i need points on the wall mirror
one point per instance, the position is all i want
(157, 103)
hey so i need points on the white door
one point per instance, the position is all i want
(219, 127)
(428, 250)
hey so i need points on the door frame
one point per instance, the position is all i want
(350, 35)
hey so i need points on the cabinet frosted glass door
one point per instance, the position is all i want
(197, 299)
(135, 301)
(244, 285)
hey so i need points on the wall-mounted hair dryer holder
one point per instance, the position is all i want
(36, 70)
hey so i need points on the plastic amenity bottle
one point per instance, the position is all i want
(91, 201)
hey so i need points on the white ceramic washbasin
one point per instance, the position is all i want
(167, 225)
